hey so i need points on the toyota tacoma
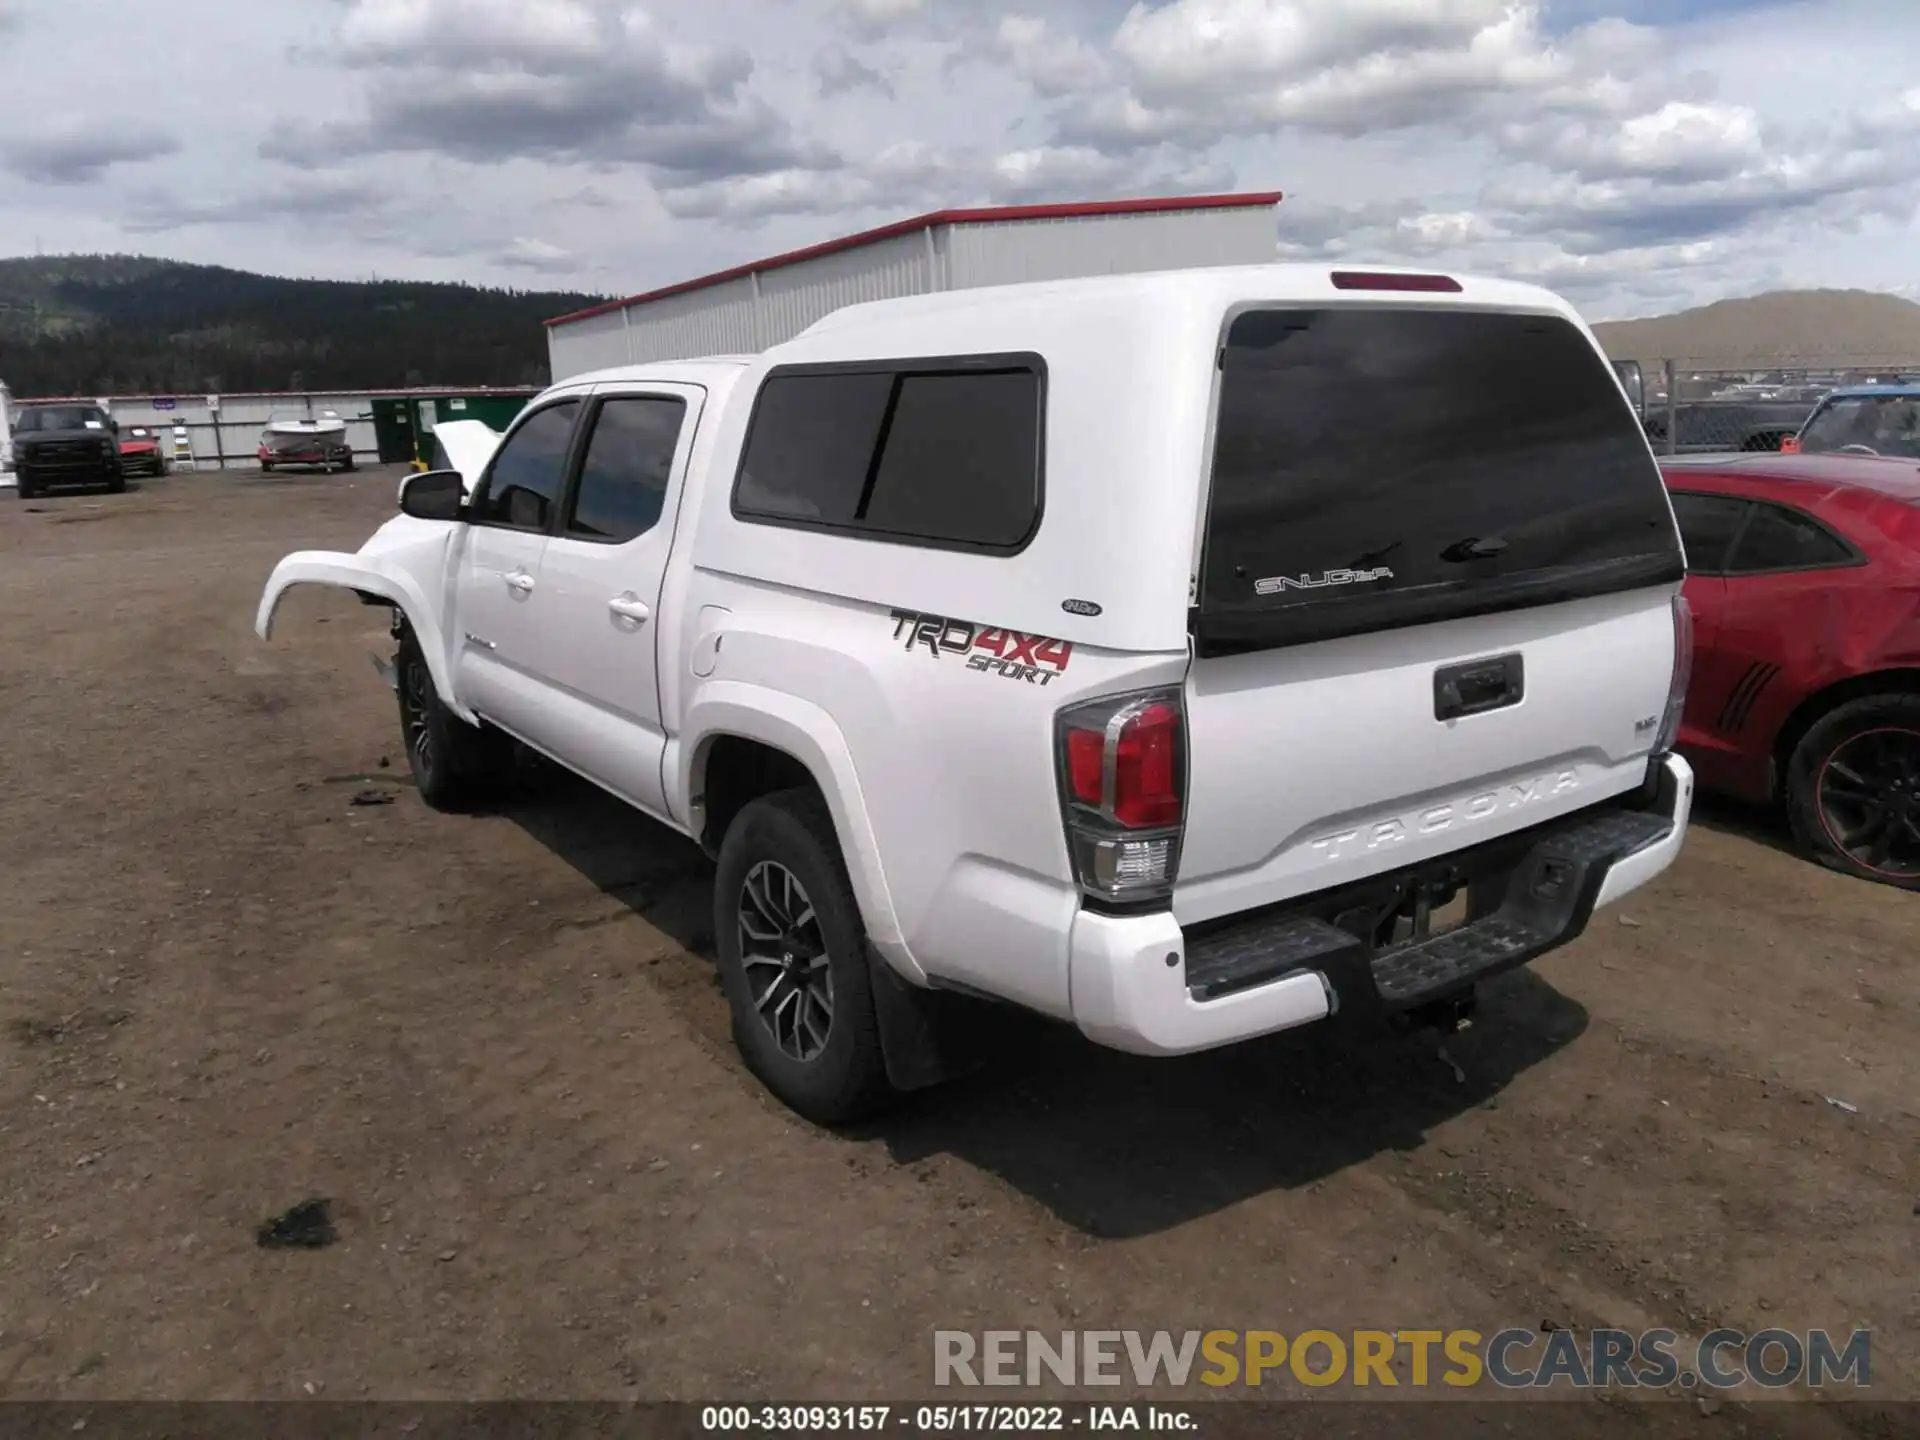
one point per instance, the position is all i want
(1183, 656)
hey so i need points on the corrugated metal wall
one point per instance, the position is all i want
(747, 315)
(718, 320)
(1010, 252)
(230, 439)
(794, 296)
(595, 343)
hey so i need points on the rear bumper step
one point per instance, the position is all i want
(1548, 896)
(1143, 984)
(1548, 902)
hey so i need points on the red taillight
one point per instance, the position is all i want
(1122, 782)
(1146, 786)
(1087, 765)
(1790, 445)
(1377, 280)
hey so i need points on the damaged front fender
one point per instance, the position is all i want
(405, 564)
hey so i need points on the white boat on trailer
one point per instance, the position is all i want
(319, 441)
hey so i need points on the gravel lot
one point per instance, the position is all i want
(492, 1043)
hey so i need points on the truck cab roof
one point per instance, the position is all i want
(1213, 289)
(671, 372)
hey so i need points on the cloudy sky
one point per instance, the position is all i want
(1636, 154)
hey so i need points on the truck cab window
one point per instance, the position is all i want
(524, 482)
(623, 480)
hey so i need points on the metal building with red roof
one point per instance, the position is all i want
(750, 307)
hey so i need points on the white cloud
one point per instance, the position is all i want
(567, 80)
(78, 153)
(1211, 67)
(1051, 62)
(839, 71)
(525, 253)
(1615, 148)
(876, 17)
(1680, 141)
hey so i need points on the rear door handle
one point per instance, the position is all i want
(1478, 686)
(630, 606)
(519, 580)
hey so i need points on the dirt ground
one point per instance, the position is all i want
(492, 1043)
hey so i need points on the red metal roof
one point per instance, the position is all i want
(987, 215)
(198, 397)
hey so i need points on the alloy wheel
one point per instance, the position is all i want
(1869, 798)
(416, 700)
(784, 954)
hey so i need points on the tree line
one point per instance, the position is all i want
(85, 325)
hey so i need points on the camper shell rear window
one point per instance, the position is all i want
(1376, 467)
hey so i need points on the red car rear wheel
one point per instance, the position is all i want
(1853, 789)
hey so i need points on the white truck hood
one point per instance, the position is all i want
(468, 445)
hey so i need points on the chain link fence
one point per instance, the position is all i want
(1691, 407)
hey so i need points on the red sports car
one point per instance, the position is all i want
(1803, 572)
(141, 451)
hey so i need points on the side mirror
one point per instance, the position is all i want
(1634, 382)
(434, 495)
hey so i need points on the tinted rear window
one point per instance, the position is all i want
(1708, 526)
(946, 457)
(1780, 539)
(1865, 424)
(1375, 468)
(60, 417)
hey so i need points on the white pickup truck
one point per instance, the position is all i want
(1183, 656)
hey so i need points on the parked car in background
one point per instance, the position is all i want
(142, 451)
(56, 445)
(1714, 427)
(1863, 420)
(1804, 580)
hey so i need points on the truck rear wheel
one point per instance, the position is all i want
(793, 960)
(454, 764)
(1853, 790)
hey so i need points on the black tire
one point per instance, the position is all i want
(24, 490)
(117, 483)
(846, 1076)
(455, 765)
(1853, 790)
(349, 465)
(266, 467)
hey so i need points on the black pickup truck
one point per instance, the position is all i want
(65, 445)
(1709, 427)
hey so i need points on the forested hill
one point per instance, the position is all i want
(114, 324)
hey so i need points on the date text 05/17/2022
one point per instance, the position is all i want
(945, 1419)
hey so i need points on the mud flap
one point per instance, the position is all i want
(926, 1036)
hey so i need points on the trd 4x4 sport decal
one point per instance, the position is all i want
(1009, 653)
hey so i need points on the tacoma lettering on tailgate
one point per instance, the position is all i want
(1437, 818)
(1012, 654)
